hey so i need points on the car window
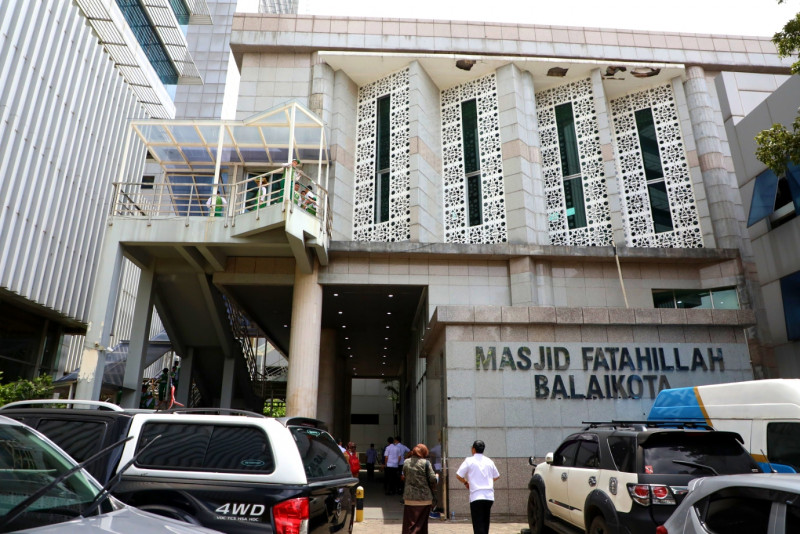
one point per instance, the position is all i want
(783, 444)
(588, 456)
(623, 451)
(321, 457)
(205, 447)
(695, 453)
(79, 439)
(793, 517)
(565, 455)
(27, 465)
(736, 509)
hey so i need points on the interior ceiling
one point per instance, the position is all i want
(366, 67)
(373, 324)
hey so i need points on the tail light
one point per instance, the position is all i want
(647, 494)
(291, 517)
(661, 529)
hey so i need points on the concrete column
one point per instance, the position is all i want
(101, 321)
(327, 376)
(522, 157)
(228, 376)
(531, 282)
(185, 377)
(140, 340)
(302, 382)
(719, 187)
(607, 150)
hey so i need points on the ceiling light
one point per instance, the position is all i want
(388, 313)
(336, 294)
(286, 326)
(347, 337)
(340, 312)
(386, 338)
(351, 355)
(387, 326)
(390, 295)
(383, 363)
(344, 326)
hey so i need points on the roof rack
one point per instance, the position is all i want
(70, 402)
(642, 425)
(215, 411)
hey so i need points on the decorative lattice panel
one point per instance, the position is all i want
(637, 216)
(398, 227)
(597, 231)
(493, 208)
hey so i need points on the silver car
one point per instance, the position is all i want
(43, 490)
(765, 503)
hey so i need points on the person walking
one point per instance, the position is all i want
(420, 481)
(390, 466)
(372, 455)
(478, 474)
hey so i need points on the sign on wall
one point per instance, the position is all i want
(584, 371)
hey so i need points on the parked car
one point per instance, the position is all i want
(752, 504)
(43, 490)
(234, 471)
(627, 477)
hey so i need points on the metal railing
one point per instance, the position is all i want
(194, 195)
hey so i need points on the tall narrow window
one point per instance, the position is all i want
(653, 172)
(570, 166)
(382, 160)
(472, 161)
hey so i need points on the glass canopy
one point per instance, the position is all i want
(274, 137)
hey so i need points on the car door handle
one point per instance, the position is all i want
(592, 481)
(563, 476)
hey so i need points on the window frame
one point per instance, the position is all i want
(472, 166)
(572, 182)
(654, 174)
(383, 129)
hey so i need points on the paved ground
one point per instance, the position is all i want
(384, 515)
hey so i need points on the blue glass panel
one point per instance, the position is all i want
(196, 154)
(251, 155)
(180, 10)
(140, 26)
(793, 177)
(279, 155)
(790, 290)
(185, 134)
(763, 197)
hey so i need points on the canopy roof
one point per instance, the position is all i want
(274, 137)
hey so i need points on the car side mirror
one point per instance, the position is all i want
(549, 458)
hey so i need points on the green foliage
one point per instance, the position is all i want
(778, 145)
(274, 408)
(38, 388)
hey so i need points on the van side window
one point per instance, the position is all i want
(783, 444)
(623, 451)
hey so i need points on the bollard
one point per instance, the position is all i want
(359, 504)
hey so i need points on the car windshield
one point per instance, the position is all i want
(696, 453)
(28, 464)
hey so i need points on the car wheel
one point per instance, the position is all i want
(598, 526)
(535, 512)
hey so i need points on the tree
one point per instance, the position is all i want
(778, 145)
(38, 388)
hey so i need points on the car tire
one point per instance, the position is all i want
(598, 526)
(535, 512)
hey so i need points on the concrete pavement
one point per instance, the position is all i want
(383, 514)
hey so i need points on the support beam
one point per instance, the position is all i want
(327, 376)
(140, 339)
(101, 321)
(185, 377)
(303, 380)
(228, 376)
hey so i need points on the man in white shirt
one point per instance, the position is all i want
(390, 463)
(478, 474)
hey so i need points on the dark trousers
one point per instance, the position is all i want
(480, 511)
(392, 478)
(370, 471)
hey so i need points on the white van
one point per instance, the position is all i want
(766, 413)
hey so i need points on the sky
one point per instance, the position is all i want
(730, 17)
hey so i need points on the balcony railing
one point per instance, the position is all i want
(195, 195)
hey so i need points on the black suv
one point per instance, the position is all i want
(233, 471)
(627, 476)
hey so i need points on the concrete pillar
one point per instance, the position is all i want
(327, 376)
(101, 321)
(606, 136)
(720, 190)
(140, 340)
(302, 382)
(522, 157)
(228, 376)
(185, 377)
(531, 282)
